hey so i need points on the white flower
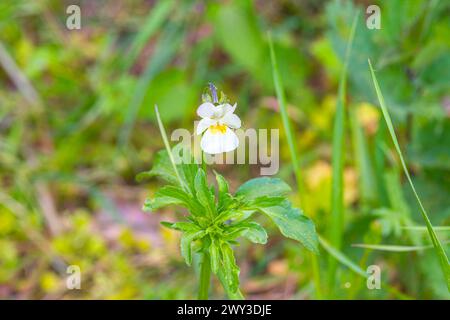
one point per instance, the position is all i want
(218, 121)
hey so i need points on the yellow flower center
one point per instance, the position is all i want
(218, 128)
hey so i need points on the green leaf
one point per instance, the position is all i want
(186, 165)
(263, 186)
(229, 273)
(214, 252)
(224, 196)
(266, 201)
(150, 205)
(233, 214)
(250, 230)
(171, 195)
(186, 242)
(204, 195)
(293, 224)
(162, 168)
(168, 195)
(181, 226)
(187, 173)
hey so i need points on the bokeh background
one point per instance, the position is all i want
(77, 124)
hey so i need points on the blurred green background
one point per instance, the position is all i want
(77, 124)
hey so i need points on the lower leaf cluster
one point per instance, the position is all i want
(218, 218)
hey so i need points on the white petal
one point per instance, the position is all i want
(221, 110)
(228, 108)
(214, 143)
(231, 120)
(204, 124)
(230, 141)
(206, 110)
(233, 108)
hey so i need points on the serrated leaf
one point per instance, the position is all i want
(221, 183)
(186, 166)
(266, 201)
(248, 229)
(204, 195)
(293, 224)
(188, 172)
(214, 252)
(224, 198)
(263, 186)
(186, 241)
(172, 195)
(181, 226)
(162, 168)
(232, 215)
(229, 272)
(168, 195)
(152, 204)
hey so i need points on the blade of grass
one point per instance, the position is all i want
(165, 50)
(434, 239)
(167, 145)
(343, 259)
(391, 248)
(281, 97)
(423, 228)
(278, 83)
(152, 23)
(335, 225)
(356, 279)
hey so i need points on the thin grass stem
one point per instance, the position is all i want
(293, 150)
(167, 145)
(434, 239)
(335, 227)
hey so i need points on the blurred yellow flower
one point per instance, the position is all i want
(368, 115)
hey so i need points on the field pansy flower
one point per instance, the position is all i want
(217, 126)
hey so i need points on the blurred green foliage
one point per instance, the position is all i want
(69, 153)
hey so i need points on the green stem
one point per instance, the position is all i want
(203, 161)
(205, 277)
